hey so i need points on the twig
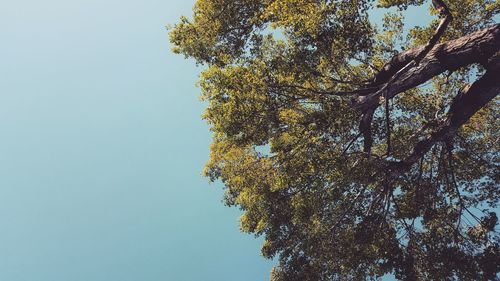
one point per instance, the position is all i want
(349, 145)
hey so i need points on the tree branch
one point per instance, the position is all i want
(470, 100)
(476, 47)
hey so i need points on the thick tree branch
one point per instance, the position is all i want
(422, 52)
(476, 47)
(449, 56)
(402, 61)
(471, 99)
(395, 64)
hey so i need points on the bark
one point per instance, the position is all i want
(365, 128)
(476, 47)
(395, 64)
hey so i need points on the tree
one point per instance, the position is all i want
(355, 150)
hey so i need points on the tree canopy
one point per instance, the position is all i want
(356, 149)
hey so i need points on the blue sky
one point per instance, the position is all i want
(101, 149)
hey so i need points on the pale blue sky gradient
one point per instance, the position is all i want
(101, 151)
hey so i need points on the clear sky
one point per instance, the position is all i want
(101, 150)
